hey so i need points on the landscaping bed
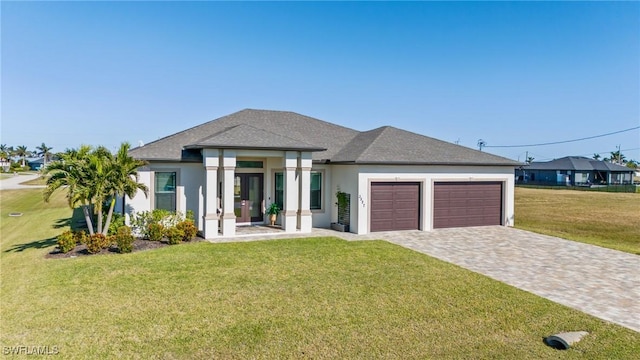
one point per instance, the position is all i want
(138, 245)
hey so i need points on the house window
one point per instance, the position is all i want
(249, 164)
(316, 190)
(278, 197)
(165, 191)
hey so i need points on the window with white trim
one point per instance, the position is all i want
(165, 190)
(315, 202)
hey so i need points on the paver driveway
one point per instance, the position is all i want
(601, 282)
(598, 281)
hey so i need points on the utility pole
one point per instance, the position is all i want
(481, 144)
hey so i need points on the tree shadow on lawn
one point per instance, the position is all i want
(38, 244)
(75, 222)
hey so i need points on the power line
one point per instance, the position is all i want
(484, 144)
(609, 151)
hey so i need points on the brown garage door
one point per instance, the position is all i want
(395, 206)
(459, 204)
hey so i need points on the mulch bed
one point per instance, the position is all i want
(138, 245)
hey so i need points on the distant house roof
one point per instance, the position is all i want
(35, 161)
(282, 130)
(577, 163)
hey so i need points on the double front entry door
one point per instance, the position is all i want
(247, 197)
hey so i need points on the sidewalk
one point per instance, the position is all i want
(13, 182)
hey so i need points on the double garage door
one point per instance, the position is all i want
(396, 205)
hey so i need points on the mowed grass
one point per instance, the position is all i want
(297, 298)
(609, 220)
(37, 181)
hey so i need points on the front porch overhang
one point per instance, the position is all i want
(220, 187)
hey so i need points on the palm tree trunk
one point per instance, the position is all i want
(99, 219)
(87, 217)
(109, 216)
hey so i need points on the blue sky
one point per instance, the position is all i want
(507, 73)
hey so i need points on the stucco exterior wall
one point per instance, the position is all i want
(189, 190)
(322, 218)
(345, 178)
(426, 176)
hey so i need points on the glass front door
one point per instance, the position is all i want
(247, 197)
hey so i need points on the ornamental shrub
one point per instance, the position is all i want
(66, 241)
(174, 235)
(155, 231)
(124, 239)
(188, 228)
(117, 221)
(80, 236)
(97, 242)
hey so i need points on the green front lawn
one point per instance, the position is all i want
(609, 220)
(298, 298)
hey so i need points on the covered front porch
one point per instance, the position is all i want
(239, 185)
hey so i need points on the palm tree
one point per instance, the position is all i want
(596, 157)
(70, 172)
(617, 157)
(124, 179)
(93, 176)
(4, 152)
(22, 152)
(45, 152)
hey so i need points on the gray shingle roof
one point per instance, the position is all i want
(388, 144)
(304, 129)
(265, 129)
(248, 137)
(577, 163)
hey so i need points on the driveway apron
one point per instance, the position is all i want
(598, 281)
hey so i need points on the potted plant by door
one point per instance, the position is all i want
(273, 210)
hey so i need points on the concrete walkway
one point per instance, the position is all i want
(601, 282)
(13, 182)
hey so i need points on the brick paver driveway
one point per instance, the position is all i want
(601, 282)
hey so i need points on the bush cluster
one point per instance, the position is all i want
(188, 229)
(124, 239)
(153, 225)
(155, 231)
(96, 242)
(174, 235)
(156, 224)
(67, 241)
(117, 221)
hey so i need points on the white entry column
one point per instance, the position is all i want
(210, 160)
(304, 212)
(291, 188)
(228, 160)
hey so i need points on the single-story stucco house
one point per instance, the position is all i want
(228, 170)
(574, 171)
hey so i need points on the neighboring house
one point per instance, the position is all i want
(5, 164)
(574, 171)
(35, 163)
(227, 171)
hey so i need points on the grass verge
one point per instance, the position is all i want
(610, 220)
(298, 298)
